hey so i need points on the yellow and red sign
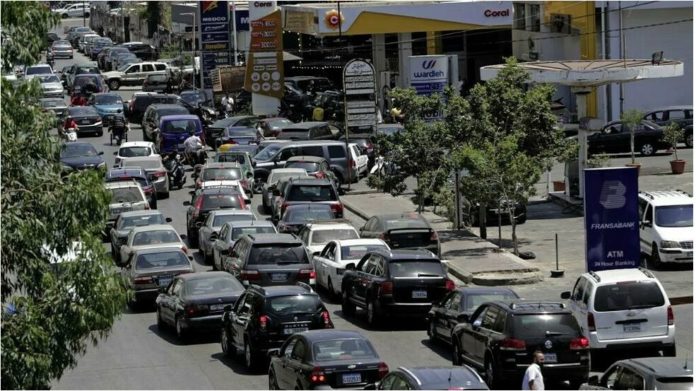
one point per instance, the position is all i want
(333, 19)
(264, 72)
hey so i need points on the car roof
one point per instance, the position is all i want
(308, 206)
(328, 225)
(132, 161)
(282, 290)
(178, 117)
(252, 223)
(220, 188)
(667, 197)
(310, 182)
(662, 366)
(224, 212)
(232, 184)
(471, 290)
(306, 125)
(156, 106)
(146, 212)
(441, 377)
(121, 185)
(274, 238)
(126, 171)
(288, 171)
(222, 165)
(159, 248)
(306, 158)
(532, 306)
(619, 275)
(330, 334)
(397, 255)
(136, 144)
(676, 107)
(360, 242)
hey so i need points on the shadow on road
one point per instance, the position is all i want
(169, 335)
(439, 347)
(236, 365)
(389, 324)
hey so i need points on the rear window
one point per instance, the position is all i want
(312, 193)
(141, 221)
(237, 232)
(538, 326)
(180, 126)
(241, 132)
(144, 164)
(218, 285)
(221, 174)
(357, 252)
(628, 295)
(220, 220)
(325, 236)
(307, 166)
(675, 383)
(474, 301)
(278, 254)
(295, 304)
(418, 268)
(405, 223)
(305, 214)
(155, 237)
(161, 260)
(217, 201)
(172, 111)
(134, 151)
(126, 194)
(343, 349)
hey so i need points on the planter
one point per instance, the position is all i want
(634, 165)
(558, 186)
(677, 166)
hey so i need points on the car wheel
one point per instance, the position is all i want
(655, 257)
(228, 348)
(114, 84)
(491, 375)
(160, 321)
(330, 288)
(181, 333)
(100, 133)
(670, 351)
(165, 195)
(347, 307)
(272, 384)
(249, 357)
(456, 353)
(689, 140)
(65, 16)
(647, 149)
(431, 331)
(373, 318)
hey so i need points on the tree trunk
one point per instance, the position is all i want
(482, 222)
(633, 149)
(513, 225)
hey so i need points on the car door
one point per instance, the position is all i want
(450, 311)
(295, 363)
(131, 75)
(204, 233)
(219, 243)
(241, 315)
(362, 278)
(469, 336)
(577, 303)
(645, 230)
(629, 379)
(486, 334)
(284, 375)
(329, 265)
(145, 70)
(169, 302)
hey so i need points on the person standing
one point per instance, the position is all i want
(533, 378)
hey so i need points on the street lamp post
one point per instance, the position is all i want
(193, 48)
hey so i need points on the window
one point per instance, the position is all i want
(337, 151)
(642, 204)
(287, 350)
(579, 290)
(160, 67)
(314, 150)
(452, 304)
(674, 216)
(649, 214)
(535, 17)
(675, 114)
(489, 320)
(519, 16)
(628, 295)
(148, 68)
(533, 326)
(287, 153)
(629, 380)
(133, 69)
(298, 352)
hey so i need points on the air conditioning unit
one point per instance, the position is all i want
(560, 23)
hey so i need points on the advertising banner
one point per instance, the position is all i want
(359, 86)
(611, 218)
(214, 37)
(264, 72)
(428, 74)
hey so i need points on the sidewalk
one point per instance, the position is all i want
(469, 258)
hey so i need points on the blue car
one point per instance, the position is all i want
(106, 103)
(174, 130)
(78, 156)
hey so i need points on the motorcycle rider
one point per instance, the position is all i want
(193, 148)
(119, 126)
(68, 126)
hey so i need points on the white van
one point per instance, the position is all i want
(667, 226)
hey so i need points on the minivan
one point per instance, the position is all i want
(174, 130)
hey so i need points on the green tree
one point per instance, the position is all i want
(49, 312)
(24, 28)
(632, 119)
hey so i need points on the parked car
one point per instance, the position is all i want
(209, 231)
(681, 115)
(134, 149)
(154, 113)
(149, 269)
(317, 234)
(297, 216)
(126, 196)
(236, 135)
(151, 236)
(134, 74)
(157, 83)
(193, 97)
(308, 131)
(144, 51)
(402, 231)
(316, 167)
(615, 137)
(623, 309)
(394, 282)
(358, 162)
(81, 80)
(57, 106)
(196, 301)
(226, 172)
(97, 46)
(243, 158)
(155, 170)
(104, 59)
(140, 101)
(205, 201)
(121, 61)
(431, 378)
(666, 226)
(62, 49)
(126, 221)
(271, 127)
(80, 156)
(138, 175)
(275, 177)
(39, 69)
(304, 191)
(648, 373)
(82, 42)
(51, 86)
(73, 10)
(106, 104)
(269, 259)
(174, 130)
(86, 68)
(264, 317)
(231, 231)
(325, 359)
(459, 305)
(217, 129)
(330, 263)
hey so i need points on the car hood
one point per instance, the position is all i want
(82, 161)
(109, 108)
(112, 74)
(677, 234)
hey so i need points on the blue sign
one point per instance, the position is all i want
(214, 37)
(242, 20)
(611, 218)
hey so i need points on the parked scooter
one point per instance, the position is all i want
(175, 170)
(69, 135)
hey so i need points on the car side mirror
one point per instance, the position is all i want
(593, 380)
(186, 203)
(168, 219)
(565, 295)
(183, 236)
(214, 236)
(647, 223)
(115, 153)
(100, 153)
(350, 266)
(463, 318)
(227, 308)
(253, 163)
(273, 352)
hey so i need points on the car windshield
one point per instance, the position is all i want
(416, 268)
(220, 220)
(278, 253)
(295, 304)
(192, 98)
(161, 260)
(38, 70)
(49, 79)
(221, 174)
(107, 99)
(123, 67)
(217, 201)
(474, 301)
(343, 349)
(307, 166)
(538, 326)
(241, 132)
(82, 111)
(229, 157)
(217, 285)
(180, 126)
(237, 232)
(268, 152)
(326, 235)
(357, 251)
(144, 164)
(77, 150)
(125, 194)
(674, 216)
(277, 177)
(303, 214)
(161, 236)
(279, 123)
(61, 44)
(134, 151)
(312, 193)
(405, 223)
(141, 221)
(628, 295)
(82, 70)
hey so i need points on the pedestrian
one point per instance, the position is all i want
(533, 379)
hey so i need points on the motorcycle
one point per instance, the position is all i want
(196, 158)
(175, 170)
(119, 134)
(69, 135)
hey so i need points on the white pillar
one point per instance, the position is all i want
(405, 51)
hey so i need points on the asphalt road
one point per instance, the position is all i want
(136, 355)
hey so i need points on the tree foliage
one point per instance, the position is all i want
(49, 312)
(24, 28)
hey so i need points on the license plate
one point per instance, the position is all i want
(350, 378)
(631, 328)
(550, 357)
(279, 276)
(293, 330)
(217, 307)
(85, 122)
(117, 211)
(689, 254)
(164, 281)
(419, 294)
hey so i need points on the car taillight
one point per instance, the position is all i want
(317, 375)
(195, 309)
(433, 236)
(449, 284)
(249, 275)
(382, 370)
(263, 322)
(590, 322)
(352, 163)
(337, 209)
(143, 280)
(197, 208)
(283, 207)
(184, 249)
(242, 202)
(670, 316)
(327, 319)
(512, 344)
(386, 288)
(308, 273)
(579, 343)
(319, 175)
(159, 174)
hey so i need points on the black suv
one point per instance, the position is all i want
(141, 100)
(143, 51)
(154, 113)
(206, 200)
(264, 317)
(269, 259)
(398, 282)
(500, 337)
(303, 191)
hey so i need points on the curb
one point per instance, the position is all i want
(681, 300)
(498, 277)
(355, 210)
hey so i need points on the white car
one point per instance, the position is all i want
(125, 197)
(623, 309)
(51, 86)
(155, 170)
(359, 160)
(235, 184)
(160, 235)
(210, 229)
(135, 149)
(317, 234)
(330, 264)
(75, 10)
(667, 226)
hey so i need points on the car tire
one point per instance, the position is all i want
(249, 356)
(100, 133)
(160, 322)
(689, 140)
(373, 318)
(181, 333)
(330, 289)
(670, 351)
(431, 331)
(347, 307)
(65, 16)
(655, 257)
(114, 84)
(492, 377)
(647, 149)
(228, 348)
(272, 383)
(456, 353)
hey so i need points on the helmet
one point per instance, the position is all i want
(191, 132)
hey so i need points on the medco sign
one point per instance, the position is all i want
(496, 13)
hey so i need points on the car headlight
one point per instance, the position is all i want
(67, 168)
(98, 123)
(101, 165)
(669, 244)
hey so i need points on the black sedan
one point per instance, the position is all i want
(431, 378)
(446, 313)
(296, 216)
(239, 135)
(80, 156)
(615, 137)
(196, 301)
(217, 129)
(88, 120)
(325, 358)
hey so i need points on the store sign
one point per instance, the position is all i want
(300, 22)
(214, 37)
(611, 218)
(428, 74)
(496, 13)
(359, 86)
(264, 72)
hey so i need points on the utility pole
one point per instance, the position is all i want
(623, 56)
(84, 12)
(193, 48)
